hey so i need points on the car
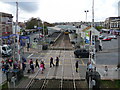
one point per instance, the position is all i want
(106, 39)
(83, 53)
(113, 36)
(6, 50)
(101, 37)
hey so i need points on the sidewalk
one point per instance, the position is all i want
(112, 73)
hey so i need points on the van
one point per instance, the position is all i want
(5, 50)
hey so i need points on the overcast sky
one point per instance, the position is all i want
(61, 10)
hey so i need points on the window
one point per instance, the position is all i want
(4, 48)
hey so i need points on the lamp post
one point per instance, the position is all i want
(39, 26)
(86, 11)
(43, 31)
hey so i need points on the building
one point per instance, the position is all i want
(107, 23)
(115, 24)
(5, 24)
(119, 9)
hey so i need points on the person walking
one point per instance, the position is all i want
(100, 46)
(23, 66)
(118, 67)
(51, 62)
(36, 63)
(76, 65)
(106, 71)
(28, 46)
(30, 61)
(43, 64)
(32, 67)
(57, 61)
(41, 67)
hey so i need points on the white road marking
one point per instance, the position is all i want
(30, 55)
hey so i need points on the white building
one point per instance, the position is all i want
(119, 9)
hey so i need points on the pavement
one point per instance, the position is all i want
(112, 73)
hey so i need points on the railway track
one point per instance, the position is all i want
(59, 44)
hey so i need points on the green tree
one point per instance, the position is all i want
(32, 22)
(98, 28)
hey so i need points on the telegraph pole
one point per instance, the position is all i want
(18, 32)
(93, 13)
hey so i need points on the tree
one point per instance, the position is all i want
(32, 22)
(98, 28)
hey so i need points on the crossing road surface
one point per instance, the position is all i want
(65, 68)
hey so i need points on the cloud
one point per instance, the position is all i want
(26, 6)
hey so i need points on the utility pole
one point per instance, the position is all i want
(93, 13)
(17, 30)
(91, 43)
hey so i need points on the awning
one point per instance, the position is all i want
(5, 37)
(24, 37)
(12, 35)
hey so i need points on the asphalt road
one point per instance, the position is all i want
(109, 55)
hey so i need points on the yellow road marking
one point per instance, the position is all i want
(82, 62)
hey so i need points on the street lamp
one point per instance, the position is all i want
(39, 26)
(86, 11)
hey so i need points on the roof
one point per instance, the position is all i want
(86, 28)
(95, 31)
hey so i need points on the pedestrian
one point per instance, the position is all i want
(90, 67)
(24, 59)
(32, 67)
(106, 71)
(41, 67)
(76, 65)
(3, 68)
(2, 62)
(30, 61)
(43, 64)
(118, 67)
(51, 62)
(93, 83)
(36, 63)
(100, 48)
(100, 45)
(23, 66)
(89, 62)
(28, 46)
(6, 67)
(57, 61)
(10, 62)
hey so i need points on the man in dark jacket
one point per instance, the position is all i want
(76, 65)
(51, 62)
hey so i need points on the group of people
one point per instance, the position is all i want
(41, 65)
(8, 64)
(52, 62)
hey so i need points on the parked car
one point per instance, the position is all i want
(83, 53)
(101, 37)
(106, 39)
(113, 36)
(5, 50)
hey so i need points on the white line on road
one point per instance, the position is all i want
(30, 55)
